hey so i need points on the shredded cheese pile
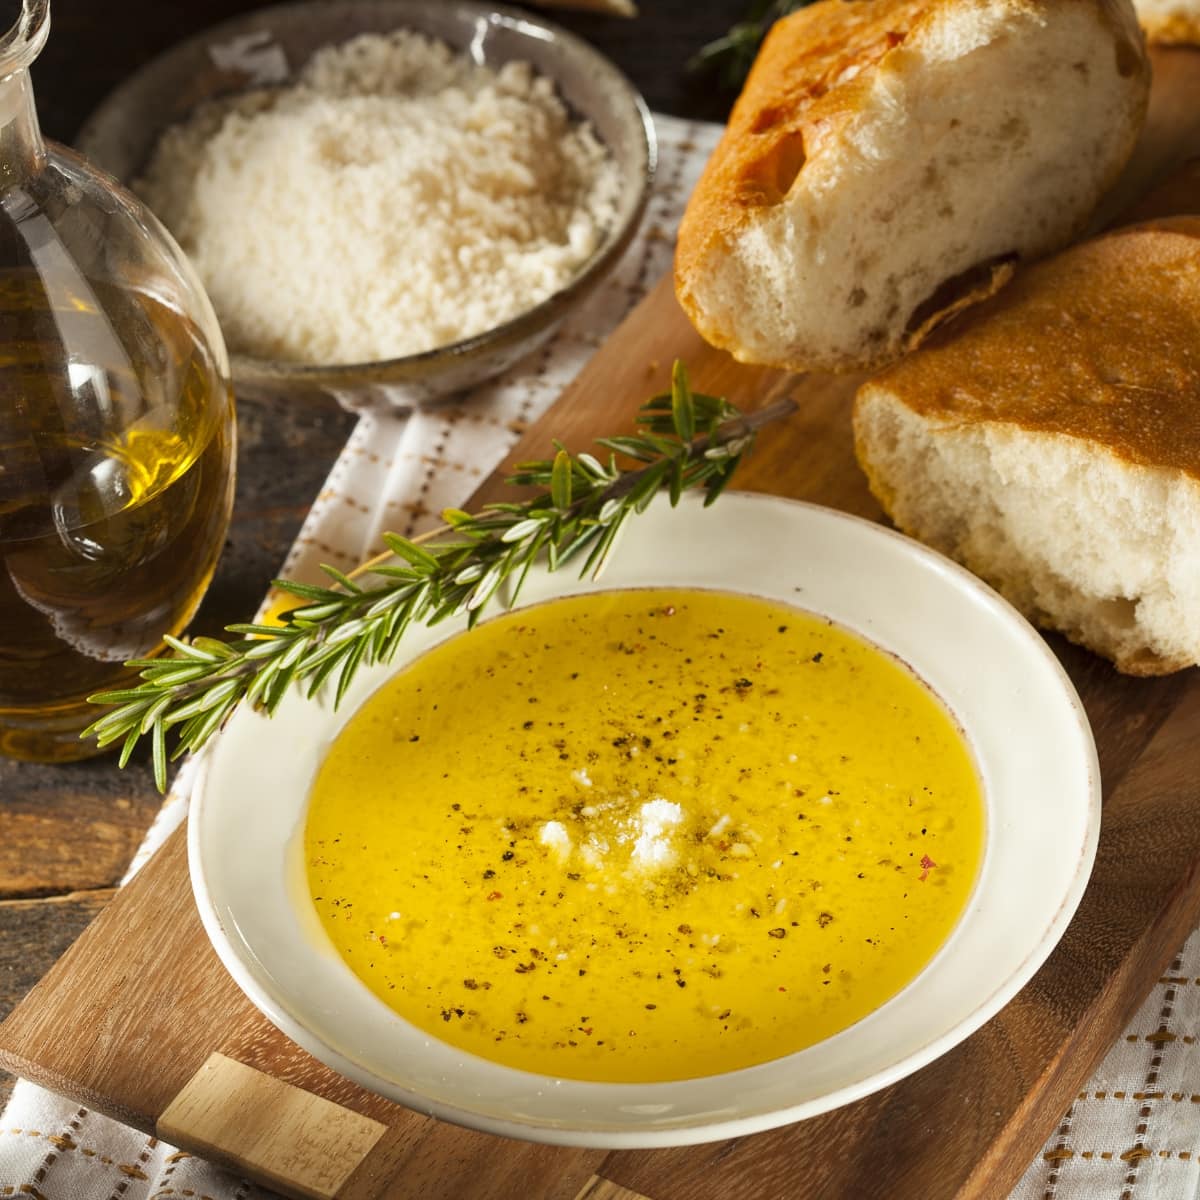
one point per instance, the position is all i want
(395, 198)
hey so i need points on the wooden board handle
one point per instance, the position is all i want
(299, 1143)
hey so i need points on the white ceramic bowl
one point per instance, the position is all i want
(1023, 721)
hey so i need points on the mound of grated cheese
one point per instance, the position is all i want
(396, 197)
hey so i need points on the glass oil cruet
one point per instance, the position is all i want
(116, 427)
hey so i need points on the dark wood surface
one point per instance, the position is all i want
(67, 832)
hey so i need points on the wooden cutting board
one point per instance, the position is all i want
(140, 1020)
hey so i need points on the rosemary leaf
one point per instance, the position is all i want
(683, 411)
(305, 591)
(158, 740)
(131, 740)
(340, 578)
(349, 667)
(410, 552)
(188, 650)
(560, 481)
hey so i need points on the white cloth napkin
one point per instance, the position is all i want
(1134, 1131)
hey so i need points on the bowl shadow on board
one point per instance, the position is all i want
(267, 47)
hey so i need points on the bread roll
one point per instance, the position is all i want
(1050, 441)
(1170, 22)
(889, 160)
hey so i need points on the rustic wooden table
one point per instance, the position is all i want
(67, 833)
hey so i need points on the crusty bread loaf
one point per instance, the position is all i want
(889, 160)
(1170, 22)
(1050, 441)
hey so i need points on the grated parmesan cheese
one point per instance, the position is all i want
(395, 198)
(656, 819)
(649, 828)
(554, 836)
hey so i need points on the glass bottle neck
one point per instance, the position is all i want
(22, 150)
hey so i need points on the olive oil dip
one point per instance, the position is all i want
(644, 835)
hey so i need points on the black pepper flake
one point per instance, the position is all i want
(818, 656)
(416, 737)
(824, 919)
(651, 1006)
(489, 874)
(777, 933)
(527, 725)
(507, 856)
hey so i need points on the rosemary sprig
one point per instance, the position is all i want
(732, 55)
(686, 441)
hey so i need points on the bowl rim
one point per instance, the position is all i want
(1051, 929)
(265, 372)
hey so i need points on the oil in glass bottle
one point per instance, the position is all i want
(116, 428)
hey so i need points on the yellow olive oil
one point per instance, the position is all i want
(644, 835)
(116, 476)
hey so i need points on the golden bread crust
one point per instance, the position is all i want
(806, 87)
(1177, 28)
(803, 78)
(1101, 342)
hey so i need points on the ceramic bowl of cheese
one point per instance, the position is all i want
(776, 812)
(269, 48)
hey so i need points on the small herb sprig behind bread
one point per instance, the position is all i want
(731, 56)
(890, 160)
